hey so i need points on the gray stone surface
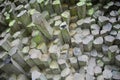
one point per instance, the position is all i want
(74, 62)
(87, 43)
(83, 60)
(97, 43)
(117, 60)
(109, 40)
(107, 74)
(65, 73)
(97, 70)
(78, 76)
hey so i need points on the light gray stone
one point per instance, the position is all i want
(17, 56)
(94, 53)
(62, 63)
(107, 74)
(5, 45)
(102, 20)
(103, 32)
(116, 27)
(117, 60)
(77, 51)
(83, 60)
(95, 27)
(113, 20)
(54, 67)
(95, 33)
(65, 73)
(116, 75)
(91, 65)
(97, 70)
(69, 77)
(98, 42)
(106, 60)
(109, 40)
(22, 77)
(113, 33)
(74, 62)
(113, 13)
(100, 77)
(57, 77)
(78, 76)
(87, 43)
(42, 25)
(105, 49)
(45, 60)
(107, 27)
(89, 77)
(35, 55)
(54, 52)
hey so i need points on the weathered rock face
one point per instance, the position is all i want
(60, 40)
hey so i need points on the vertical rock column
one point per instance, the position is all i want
(49, 7)
(57, 6)
(36, 74)
(64, 35)
(17, 56)
(34, 4)
(66, 17)
(24, 18)
(42, 25)
(81, 7)
(87, 43)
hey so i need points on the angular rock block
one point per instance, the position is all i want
(117, 60)
(81, 8)
(83, 60)
(109, 40)
(62, 63)
(74, 63)
(97, 43)
(65, 73)
(64, 33)
(87, 43)
(55, 67)
(42, 25)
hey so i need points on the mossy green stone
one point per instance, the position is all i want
(91, 11)
(37, 37)
(25, 49)
(89, 4)
(12, 23)
(40, 1)
(31, 24)
(46, 2)
(119, 11)
(7, 16)
(82, 0)
(65, 14)
(56, 2)
(80, 3)
(8, 30)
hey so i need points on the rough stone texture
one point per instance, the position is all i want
(59, 40)
(98, 42)
(78, 76)
(65, 73)
(109, 40)
(117, 60)
(74, 63)
(97, 70)
(87, 43)
(107, 74)
(83, 60)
